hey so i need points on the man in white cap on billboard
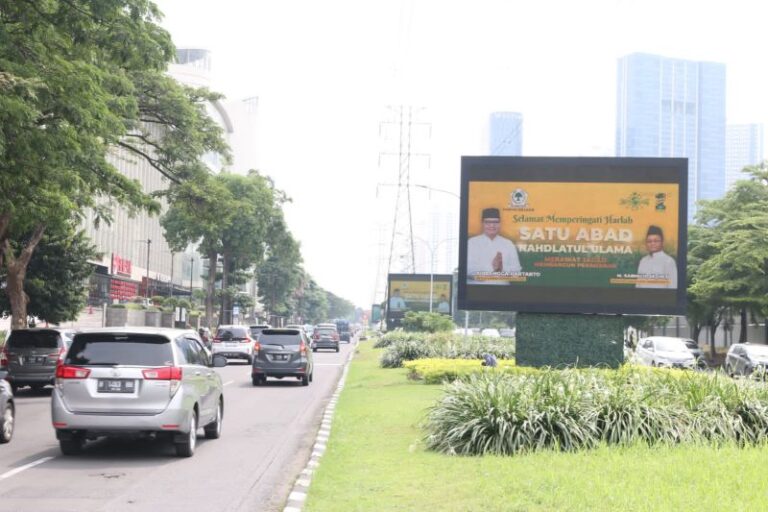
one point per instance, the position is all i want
(490, 252)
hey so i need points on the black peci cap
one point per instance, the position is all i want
(491, 213)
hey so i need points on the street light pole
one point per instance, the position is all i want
(191, 273)
(172, 258)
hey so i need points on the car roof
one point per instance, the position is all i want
(281, 330)
(162, 331)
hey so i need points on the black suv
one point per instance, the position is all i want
(31, 356)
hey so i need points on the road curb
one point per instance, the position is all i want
(298, 494)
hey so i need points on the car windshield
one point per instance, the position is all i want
(757, 350)
(33, 339)
(120, 349)
(671, 345)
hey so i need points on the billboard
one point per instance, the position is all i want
(411, 292)
(573, 235)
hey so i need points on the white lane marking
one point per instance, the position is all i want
(228, 382)
(9, 474)
(329, 364)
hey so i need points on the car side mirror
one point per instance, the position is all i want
(219, 361)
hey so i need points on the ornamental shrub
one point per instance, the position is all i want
(505, 413)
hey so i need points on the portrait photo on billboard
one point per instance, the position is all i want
(573, 235)
(411, 292)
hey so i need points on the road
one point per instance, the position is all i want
(267, 437)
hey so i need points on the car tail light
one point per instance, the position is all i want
(316, 337)
(58, 356)
(170, 373)
(303, 348)
(256, 348)
(217, 340)
(64, 371)
(247, 339)
(164, 373)
(4, 357)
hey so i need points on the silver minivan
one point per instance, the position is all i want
(137, 382)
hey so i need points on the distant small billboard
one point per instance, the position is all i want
(573, 235)
(375, 313)
(411, 292)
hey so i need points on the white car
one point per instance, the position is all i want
(664, 351)
(491, 333)
(233, 342)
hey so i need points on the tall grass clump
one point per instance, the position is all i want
(398, 335)
(505, 414)
(446, 346)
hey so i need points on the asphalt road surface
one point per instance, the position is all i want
(267, 437)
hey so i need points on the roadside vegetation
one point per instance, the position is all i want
(412, 346)
(378, 459)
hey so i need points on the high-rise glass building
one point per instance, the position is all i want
(743, 147)
(674, 108)
(505, 134)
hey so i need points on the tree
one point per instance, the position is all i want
(311, 301)
(79, 78)
(57, 276)
(339, 308)
(280, 274)
(730, 264)
(230, 217)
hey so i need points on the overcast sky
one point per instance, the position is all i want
(327, 71)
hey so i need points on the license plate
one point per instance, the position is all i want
(35, 359)
(116, 386)
(231, 345)
(280, 357)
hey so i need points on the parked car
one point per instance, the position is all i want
(664, 351)
(282, 353)
(31, 356)
(491, 333)
(325, 337)
(137, 382)
(746, 358)
(234, 342)
(7, 410)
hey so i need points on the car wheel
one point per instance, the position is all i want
(186, 448)
(305, 380)
(6, 423)
(213, 429)
(73, 446)
(337, 349)
(249, 359)
(14, 388)
(311, 376)
(256, 380)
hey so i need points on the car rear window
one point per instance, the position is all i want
(231, 332)
(33, 339)
(285, 337)
(326, 331)
(123, 349)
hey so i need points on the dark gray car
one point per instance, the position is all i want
(7, 410)
(33, 354)
(282, 353)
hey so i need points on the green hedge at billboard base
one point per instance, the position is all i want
(569, 340)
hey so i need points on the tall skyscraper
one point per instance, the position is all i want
(674, 108)
(506, 134)
(743, 147)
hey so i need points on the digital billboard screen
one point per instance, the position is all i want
(573, 235)
(411, 292)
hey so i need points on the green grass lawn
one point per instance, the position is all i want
(376, 461)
